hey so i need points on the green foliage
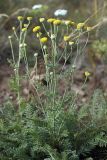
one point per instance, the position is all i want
(55, 134)
(49, 125)
(100, 47)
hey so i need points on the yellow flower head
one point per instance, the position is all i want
(36, 29)
(24, 29)
(29, 18)
(71, 43)
(25, 25)
(87, 74)
(44, 40)
(57, 22)
(73, 23)
(66, 38)
(80, 25)
(41, 20)
(38, 34)
(89, 28)
(50, 20)
(20, 18)
(67, 22)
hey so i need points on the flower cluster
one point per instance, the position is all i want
(55, 22)
(37, 6)
(87, 74)
(66, 38)
(80, 26)
(60, 12)
(21, 18)
(43, 39)
(51, 20)
(36, 29)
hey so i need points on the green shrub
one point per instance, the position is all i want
(100, 48)
(50, 126)
(56, 134)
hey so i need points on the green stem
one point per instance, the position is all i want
(12, 51)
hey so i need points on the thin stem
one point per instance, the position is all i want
(18, 64)
(12, 51)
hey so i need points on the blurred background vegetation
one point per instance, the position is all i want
(78, 9)
(94, 11)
